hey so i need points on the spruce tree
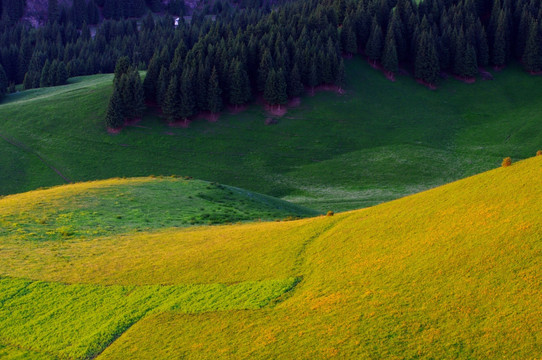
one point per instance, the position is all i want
(114, 117)
(214, 93)
(295, 87)
(427, 62)
(499, 45)
(3, 82)
(163, 82)
(44, 78)
(172, 101)
(532, 58)
(389, 58)
(266, 64)
(239, 84)
(121, 68)
(61, 74)
(340, 79)
(188, 100)
(374, 44)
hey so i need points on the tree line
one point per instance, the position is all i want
(275, 51)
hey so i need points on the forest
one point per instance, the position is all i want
(231, 53)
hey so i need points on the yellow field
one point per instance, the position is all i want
(454, 272)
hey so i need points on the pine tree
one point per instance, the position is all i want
(340, 79)
(163, 82)
(266, 64)
(427, 63)
(295, 87)
(389, 58)
(3, 82)
(61, 74)
(499, 45)
(114, 118)
(374, 44)
(532, 58)
(239, 84)
(172, 101)
(121, 68)
(214, 93)
(188, 100)
(44, 79)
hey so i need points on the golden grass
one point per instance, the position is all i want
(453, 272)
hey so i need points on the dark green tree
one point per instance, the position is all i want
(389, 58)
(188, 100)
(295, 87)
(532, 58)
(121, 68)
(214, 93)
(239, 84)
(427, 62)
(45, 75)
(172, 101)
(373, 49)
(114, 117)
(3, 82)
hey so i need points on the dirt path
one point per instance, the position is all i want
(27, 149)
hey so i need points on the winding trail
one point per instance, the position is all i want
(29, 150)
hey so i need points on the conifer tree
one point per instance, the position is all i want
(61, 74)
(163, 82)
(239, 84)
(121, 68)
(266, 64)
(295, 87)
(427, 63)
(172, 101)
(114, 117)
(532, 58)
(214, 93)
(499, 45)
(389, 58)
(340, 78)
(374, 44)
(3, 82)
(44, 79)
(188, 100)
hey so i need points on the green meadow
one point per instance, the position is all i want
(333, 152)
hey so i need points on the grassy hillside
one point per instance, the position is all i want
(380, 129)
(453, 272)
(93, 209)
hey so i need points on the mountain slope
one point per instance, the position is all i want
(453, 272)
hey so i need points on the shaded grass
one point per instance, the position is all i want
(355, 144)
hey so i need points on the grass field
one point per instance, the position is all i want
(379, 130)
(453, 272)
(93, 209)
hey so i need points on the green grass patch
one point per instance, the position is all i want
(86, 211)
(377, 142)
(79, 321)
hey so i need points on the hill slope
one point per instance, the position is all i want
(379, 129)
(452, 272)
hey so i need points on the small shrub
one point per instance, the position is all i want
(330, 213)
(507, 161)
(539, 152)
(65, 231)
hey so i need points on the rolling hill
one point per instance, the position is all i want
(54, 135)
(452, 272)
